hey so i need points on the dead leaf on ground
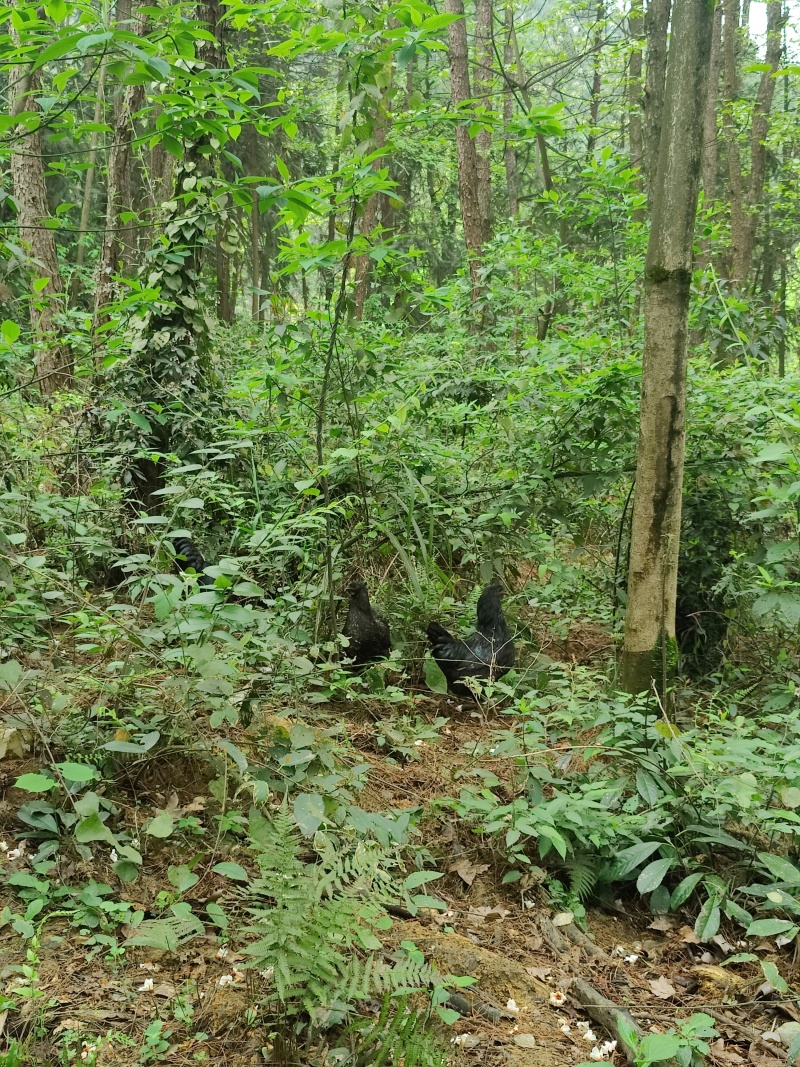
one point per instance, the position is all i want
(538, 972)
(663, 924)
(525, 1040)
(663, 988)
(488, 915)
(688, 936)
(166, 989)
(467, 871)
(720, 1053)
(564, 918)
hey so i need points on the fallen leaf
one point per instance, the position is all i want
(467, 1040)
(166, 989)
(564, 918)
(663, 988)
(467, 871)
(525, 1040)
(688, 936)
(538, 972)
(662, 924)
(488, 915)
(12, 743)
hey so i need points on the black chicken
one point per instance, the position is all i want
(486, 655)
(187, 557)
(365, 629)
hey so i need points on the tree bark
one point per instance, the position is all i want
(88, 184)
(510, 152)
(635, 134)
(483, 83)
(465, 146)
(746, 195)
(53, 361)
(118, 198)
(710, 133)
(255, 258)
(655, 529)
(369, 221)
(597, 78)
(655, 27)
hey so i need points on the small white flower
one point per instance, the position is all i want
(583, 1024)
(135, 842)
(461, 1039)
(267, 973)
(589, 1035)
(419, 744)
(596, 1054)
(222, 952)
(14, 853)
(609, 1047)
(146, 986)
(512, 1007)
(114, 856)
(557, 998)
(225, 979)
(631, 959)
(238, 976)
(566, 1028)
(4, 846)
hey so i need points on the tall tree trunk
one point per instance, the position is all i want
(369, 220)
(88, 183)
(710, 131)
(597, 77)
(656, 523)
(483, 85)
(53, 361)
(510, 152)
(746, 16)
(746, 195)
(118, 197)
(710, 134)
(635, 135)
(465, 146)
(655, 27)
(255, 257)
(223, 264)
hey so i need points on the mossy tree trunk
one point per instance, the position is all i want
(655, 531)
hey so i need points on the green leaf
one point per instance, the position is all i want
(794, 1050)
(782, 869)
(126, 871)
(160, 826)
(309, 812)
(434, 678)
(35, 783)
(140, 421)
(684, 890)
(655, 1048)
(182, 878)
(653, 875)
(77, 772)
(92, 829)
(10, 331)
(630, 858)
(770, 927)
(217, 915)
(231, 870)
(283, 170)
(419, 878)
(57, 10)
(774, 977)
(707, 922)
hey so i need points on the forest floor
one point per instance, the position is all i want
(523, 954)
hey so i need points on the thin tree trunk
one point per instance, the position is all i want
(710, 133)
(117, 197)
(255, 258)
(484, 55)
(635, 135)
(53, 361)
(656, 523)
(510, 153)
(223, 265)
(655, 27)
(597, 78)
(369, 221)
(746, 196)
(746, 16)
(465, 146)
(88, 183)
(710, 130)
